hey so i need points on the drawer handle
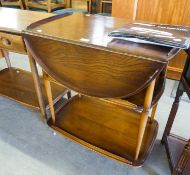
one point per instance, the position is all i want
(6, 42)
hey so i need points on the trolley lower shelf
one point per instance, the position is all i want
(18, 85)
(106, 128)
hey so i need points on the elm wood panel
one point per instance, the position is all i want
(18, 85)
(124, 9)
(172, 12)
(20, 19)
(105, 127)
(12, 42)
(174, 147)
(100, 73)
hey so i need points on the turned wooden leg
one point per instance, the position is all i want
(153, 112)
(183, 161)
(144, 116)
(7, 59)
(50, 98)
(37, 86)
(172, 115)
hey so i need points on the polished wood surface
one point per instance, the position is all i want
(77, 62)
(105, 128)
(20, 19)
(18, 85)
(172, 12)
(92, 31)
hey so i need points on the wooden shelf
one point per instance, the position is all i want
(104, 127)
(174, 147)
(18, 85)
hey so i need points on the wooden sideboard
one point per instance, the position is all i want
(18, 84)
(170, 12)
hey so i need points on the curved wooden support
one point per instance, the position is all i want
(50, 98)
(37, 85)
(144, 116)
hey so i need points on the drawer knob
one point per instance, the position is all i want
(6, 42)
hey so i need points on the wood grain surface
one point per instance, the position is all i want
(105, 128)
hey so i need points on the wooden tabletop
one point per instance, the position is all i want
(92, 31)
(16, 20)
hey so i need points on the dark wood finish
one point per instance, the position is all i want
(18, 85)
(183, 165)
(178, 149)
(178, 152)
(105, 128)
(86, 69)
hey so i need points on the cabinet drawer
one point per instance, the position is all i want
(12, 42)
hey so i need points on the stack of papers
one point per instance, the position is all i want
(153, 33)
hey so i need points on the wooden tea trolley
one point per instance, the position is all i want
(118, 82)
